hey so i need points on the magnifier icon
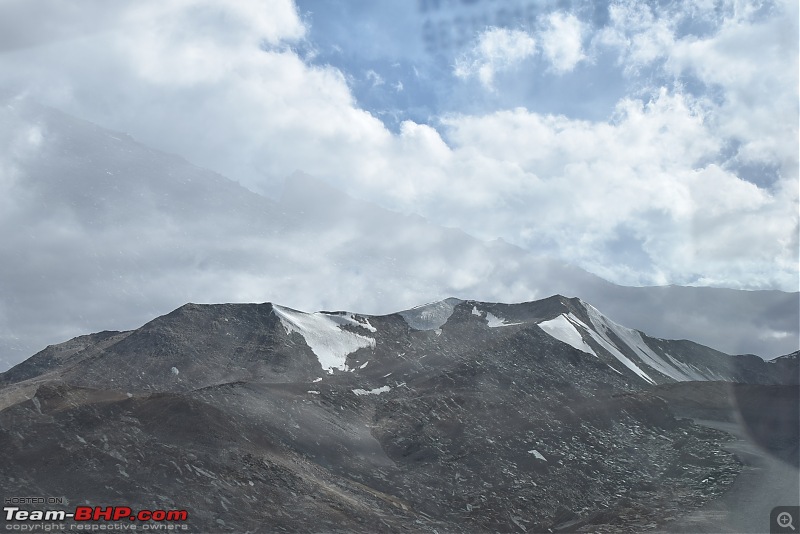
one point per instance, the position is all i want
(785, 520)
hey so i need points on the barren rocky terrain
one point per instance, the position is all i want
(457, 416)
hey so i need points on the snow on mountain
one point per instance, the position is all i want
(430, 316)
(351, 319)
(375, 391)
(664, 364)
(625, 350)
(215, 344)
(492, 321)
(537, 454)
(794, 356)
(324, 336)
(602, 339)
(562, 329)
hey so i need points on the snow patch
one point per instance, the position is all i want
(352, 320)
(563, 329)
(492, 320)
(537, 454)
(670, 366)
(634, 340)
(430, 316)
(322, 334)
(690, 372)
(496, 322)
(602, 327)
(376, 391)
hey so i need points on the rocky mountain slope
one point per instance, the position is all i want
(453, 416)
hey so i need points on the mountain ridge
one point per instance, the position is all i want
(454, 415)
(343, 338)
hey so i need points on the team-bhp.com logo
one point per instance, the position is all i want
(88, 515)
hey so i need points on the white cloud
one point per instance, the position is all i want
(744, 66)
(374, 78)
(754, 63)
(33, 22)
(214, 82)
(496, 50)
(220, 84)
(562, 41)
(189, 42)
(638, 32)
(573, 186)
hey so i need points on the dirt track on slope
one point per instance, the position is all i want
(765, 482)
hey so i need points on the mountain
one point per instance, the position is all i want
(104, 233)
(455, 415)
(209, 348)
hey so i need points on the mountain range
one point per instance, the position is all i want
(458, 415)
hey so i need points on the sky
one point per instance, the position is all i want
(648, 142)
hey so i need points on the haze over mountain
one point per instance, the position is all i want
(108, 232)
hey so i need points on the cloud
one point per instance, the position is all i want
(219, 83)
(650, 194)
(574, 186)
(561, 41)
(638, 32)
(374, 78)
(497, 50)
(749, 63)
(739, 59)
(110, 233)
(27, 23)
